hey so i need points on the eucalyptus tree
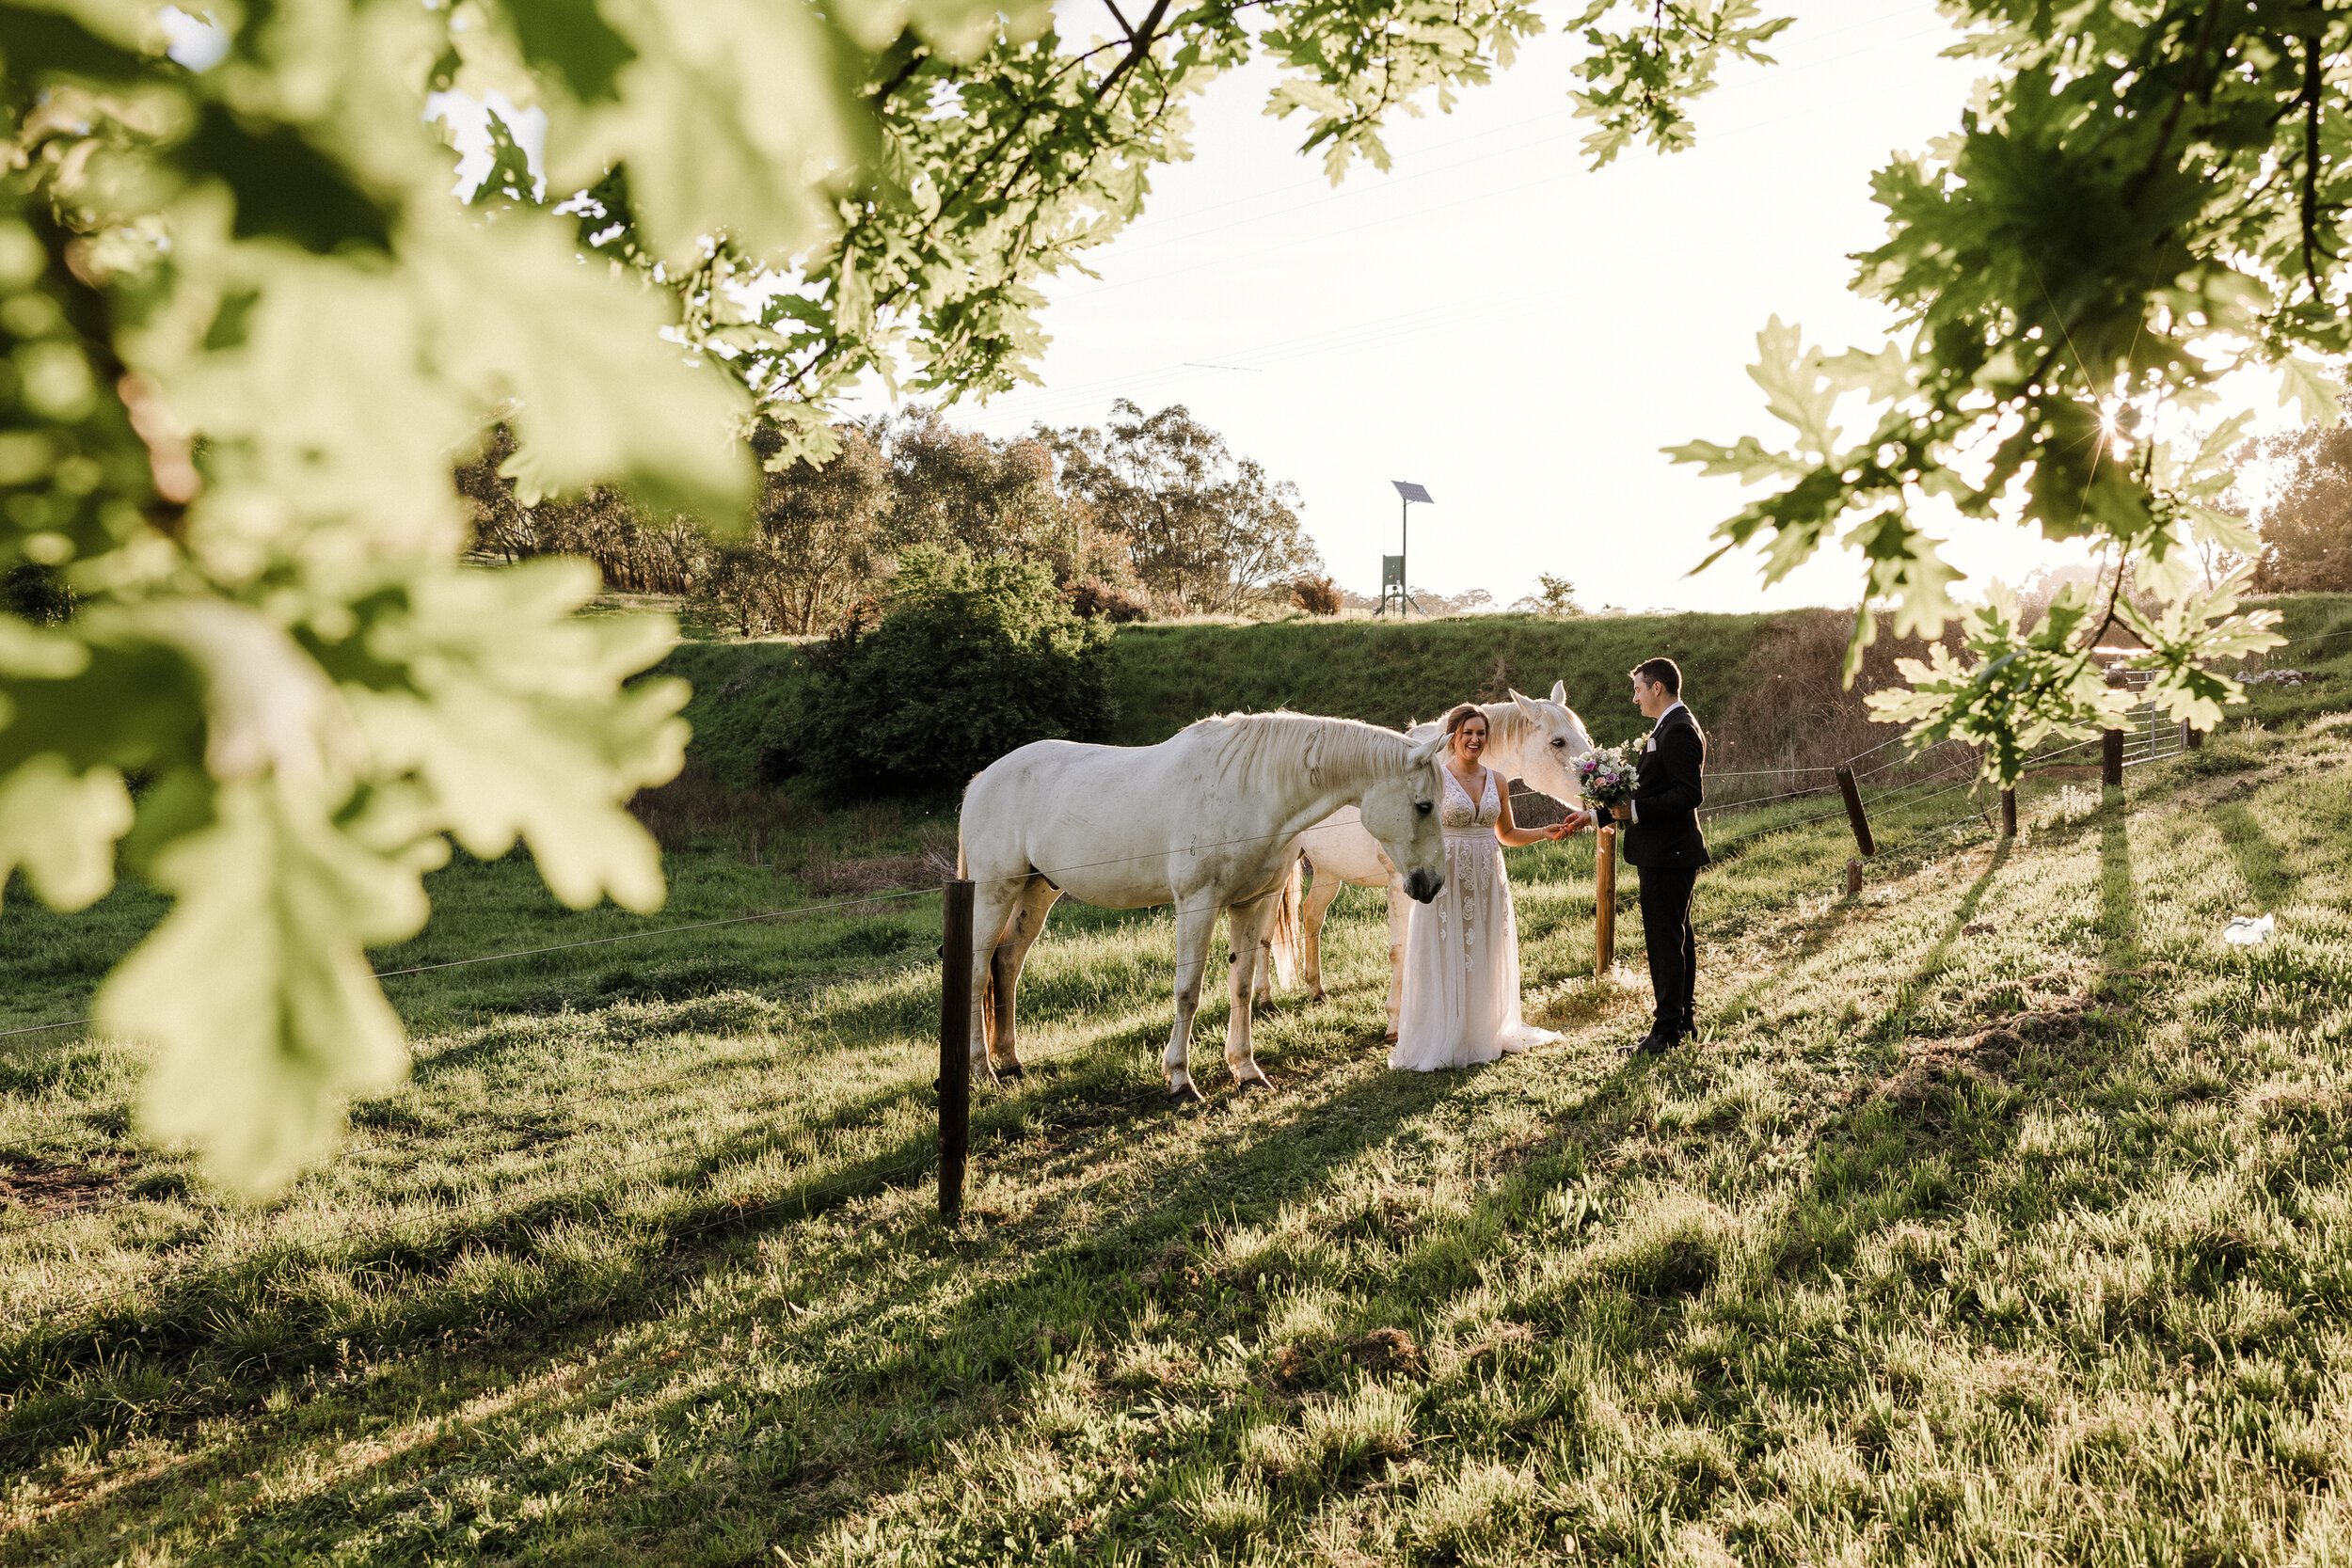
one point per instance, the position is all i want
(2306, 511)
(1206, 529)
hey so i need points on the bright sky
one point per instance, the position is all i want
(1498, 324)
(1516, 333)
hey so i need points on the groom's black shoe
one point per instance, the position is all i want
(1652, 1044)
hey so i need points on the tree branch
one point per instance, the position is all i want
(2310, 164)
(1142, 41)
(2172, 116)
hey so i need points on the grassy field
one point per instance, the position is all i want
(1999, 1214)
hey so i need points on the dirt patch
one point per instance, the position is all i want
(50, 1189)
(1386, 1351)
(1170, 1268)
(840, 879)
(1991, 1053)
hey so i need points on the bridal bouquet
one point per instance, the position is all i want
(1605, 773)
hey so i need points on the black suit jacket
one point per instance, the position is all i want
(1666, 792)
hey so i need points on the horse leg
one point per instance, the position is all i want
(1021, 933)
(993, 903)
(1195, 928)
(1320, 897)
(1398, 909)
(1244, 926)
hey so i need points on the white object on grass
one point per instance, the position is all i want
(2245, 932)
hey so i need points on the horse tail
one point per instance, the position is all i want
(1284, 932)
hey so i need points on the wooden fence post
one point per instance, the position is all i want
(1853, 793)
(2008, 814)
(2111, 758)
(2192, 738)
(1604, 900)
(1853, 875)
(954, 1046)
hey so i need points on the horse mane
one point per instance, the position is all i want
(1505, 724)
(1286, 744)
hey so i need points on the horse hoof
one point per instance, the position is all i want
(1243, 1086)
(1008, 1072)
(1189, 1094)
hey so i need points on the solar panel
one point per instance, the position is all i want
(1411, 491)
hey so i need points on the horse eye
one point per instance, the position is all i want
(1422, 806)
(1559, 742)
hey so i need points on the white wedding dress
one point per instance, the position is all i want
(1462, 949)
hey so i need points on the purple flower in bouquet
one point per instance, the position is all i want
(1605, 774)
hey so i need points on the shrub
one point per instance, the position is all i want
(1555, 599)
(1316, 595)
(974, 658)
(1096, 600)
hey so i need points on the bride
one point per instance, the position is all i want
(1462, 947)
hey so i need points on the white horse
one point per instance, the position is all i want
(1534, 741)
(1207, 820)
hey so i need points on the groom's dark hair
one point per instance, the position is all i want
(1660, 672)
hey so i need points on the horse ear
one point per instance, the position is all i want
(1425, 754)
(1527, 706)
(1559, 692)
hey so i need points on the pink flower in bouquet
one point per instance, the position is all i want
(1605, 774)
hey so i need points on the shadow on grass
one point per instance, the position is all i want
(1964, 912)
(2119, 889)
(2269, 871)
(1072, 1275)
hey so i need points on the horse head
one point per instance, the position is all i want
(1400, 811)
(1547, 760)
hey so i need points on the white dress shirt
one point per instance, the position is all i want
(1632, 807)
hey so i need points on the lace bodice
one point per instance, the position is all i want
(1459, 814)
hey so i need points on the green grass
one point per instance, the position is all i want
(1999, 1216)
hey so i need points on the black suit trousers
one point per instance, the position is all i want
(1673, 945)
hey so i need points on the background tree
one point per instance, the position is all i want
(2306, 512)
(818, 537)
(633, 551)
(958, 489)
(1554, 597)
(1207, 530)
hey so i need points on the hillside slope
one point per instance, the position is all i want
(1766, 684)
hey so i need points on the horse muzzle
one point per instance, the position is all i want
(1422, 886)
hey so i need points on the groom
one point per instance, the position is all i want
(1662, 838)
